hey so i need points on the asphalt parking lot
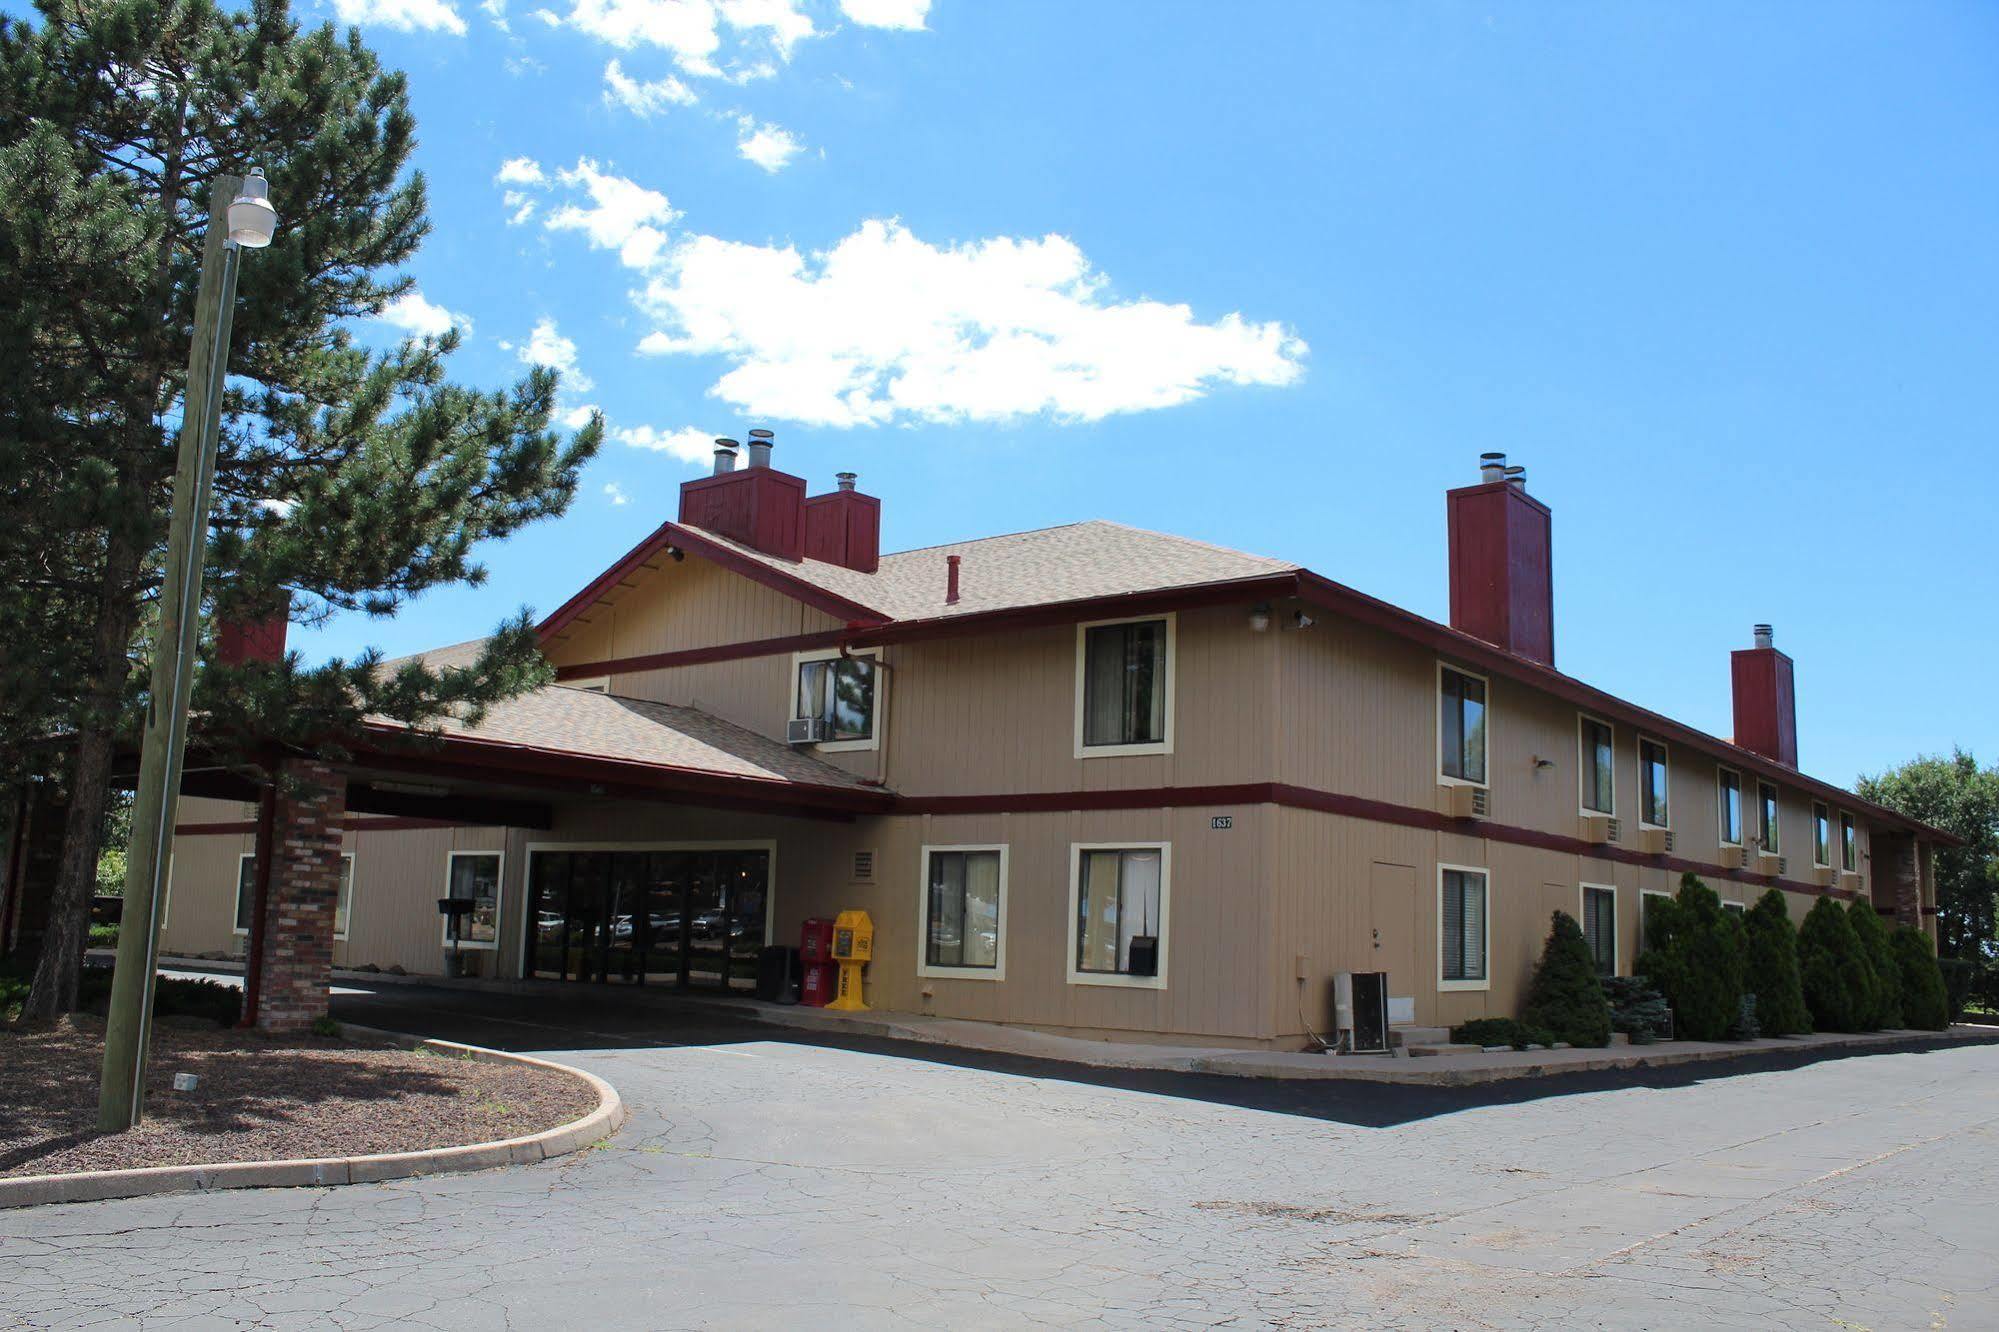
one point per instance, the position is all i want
(771, 1178)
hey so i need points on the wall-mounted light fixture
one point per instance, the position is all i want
(1259, 616)
(1300, 620)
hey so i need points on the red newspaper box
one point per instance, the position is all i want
(815, 963)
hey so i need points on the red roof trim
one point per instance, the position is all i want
(694, 542)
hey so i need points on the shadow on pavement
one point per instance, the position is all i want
(598, 1020)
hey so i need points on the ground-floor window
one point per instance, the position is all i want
(964, 899)
(474, 876)
(246, 893)
(1118, 927)
(1600, 927)
(665, 916)
(1461, 914)
(1735, 908)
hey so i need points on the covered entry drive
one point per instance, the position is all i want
(691, 916)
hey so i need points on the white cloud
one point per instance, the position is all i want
(496, 10)
(616, 494)
(644, 99)
(406, 15)
(904, 14)
(693, 30)
(768, 146)
(521, 171)
(618, 215)
(689, 444)
(546, 346)
(414, 313)
(578, 416)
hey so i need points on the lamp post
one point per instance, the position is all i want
(240, 217)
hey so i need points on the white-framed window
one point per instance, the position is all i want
(1735, 908)
(1849, 844)
(246, 893)
(1599, 922)
(1655, 779)
(1767, 824)
(1596, 764)
(475, 876)
(961, 912)
(1463, 933)
(844, 691)
(1119, 895)
(1728, 783)
(1821, 835)
(1462, 738)
(1125, 671)
(1645, 895)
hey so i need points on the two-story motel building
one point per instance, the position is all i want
(1091, 778)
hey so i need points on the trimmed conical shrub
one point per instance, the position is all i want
(1770, 967)
(1884, 1000)
(1925, 1002)
(1838, 979)
(1695, 959)
(1566, 997)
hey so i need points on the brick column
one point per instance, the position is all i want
(305, 884)
(1898, 877)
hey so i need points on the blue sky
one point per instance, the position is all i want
(1273, 276)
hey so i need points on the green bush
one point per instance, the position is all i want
(103, 936)
(1884, 998)
(1565, 996)
(1693, 955)
(221, 1004)
(1637, 1009)
(1838, 979)
(1970, 982)
(1925, 1003)
(1501, 1031)
(1770, 967)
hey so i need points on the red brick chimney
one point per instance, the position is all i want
(1502, 569)
(1766, 700)
(758, 506)
(844, 527)
(241, 641)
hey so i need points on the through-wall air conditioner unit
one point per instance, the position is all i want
(1467, 802)
(1769, 862)
(805, 730)
(1825, 876)
(1360, 1011)
(1731, 857)
(1600, 828)
(1655, 841)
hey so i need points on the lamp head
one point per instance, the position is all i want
(252, 220)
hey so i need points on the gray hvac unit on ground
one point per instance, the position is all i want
(1360, 1011)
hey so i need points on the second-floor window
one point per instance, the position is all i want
(1653, 777)
(1766, 805)
(1461, 725)
(1849, 845)
(1821, 835)
(1731, 807)
(1124, 692)
(839, 692)
(1597, 763)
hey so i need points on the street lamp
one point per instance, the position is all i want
(240, 216)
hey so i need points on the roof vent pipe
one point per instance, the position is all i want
(1764, 638)
(846, 480)
(951, 579)
(760, 448)
(1491, 467)
(1517, 476)
(725, 456)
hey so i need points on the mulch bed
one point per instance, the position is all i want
(260, 1099)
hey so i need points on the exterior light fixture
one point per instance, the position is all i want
(252, 220)
(1259, 616)
(1300, 620)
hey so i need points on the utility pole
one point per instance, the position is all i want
(238, 216)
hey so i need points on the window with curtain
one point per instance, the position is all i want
(1463, 910)
(1731, 808)
(1598, 767)
(1600, 928)
(962, 918)
(1766, 803)
(1652, 781)
(1849, 845)
(476, 878)
(839, 691)
(1821, 835)
(1119, 911)
(1124, 683)
(1461, 723)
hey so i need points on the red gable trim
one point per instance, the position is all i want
(695, 542)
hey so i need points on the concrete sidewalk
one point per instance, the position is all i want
(1433, 1071)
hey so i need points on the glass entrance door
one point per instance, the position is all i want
(689, 918)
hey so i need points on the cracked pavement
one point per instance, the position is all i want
(768, 1178)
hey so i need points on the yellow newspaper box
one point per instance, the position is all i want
(853, 948)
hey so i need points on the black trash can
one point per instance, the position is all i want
(777, 974)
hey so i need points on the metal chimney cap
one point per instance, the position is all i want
(1518, 476)
(762, 434)
(1764, 638)
(725, 456)
(846, 479)
(1491, 466)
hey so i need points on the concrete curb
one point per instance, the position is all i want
(97, 1185)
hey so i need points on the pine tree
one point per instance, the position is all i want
(1838, 979)
(345, 479)
(1565, 996)
(1770, 967)
(1884, 996)
(1925, 1002)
